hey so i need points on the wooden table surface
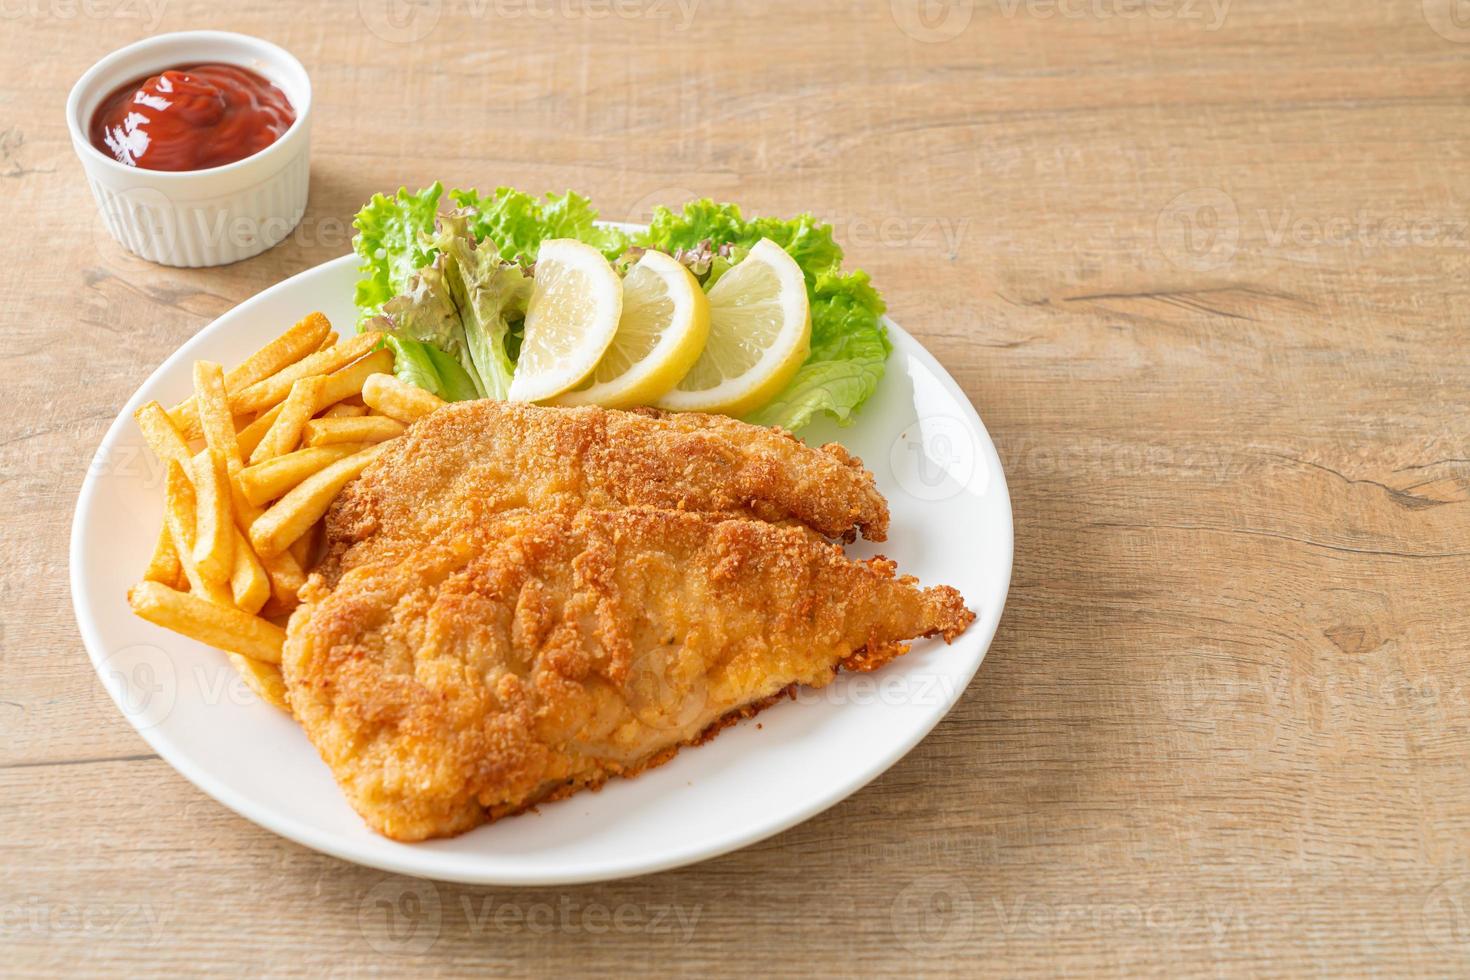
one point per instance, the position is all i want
(1201, 266)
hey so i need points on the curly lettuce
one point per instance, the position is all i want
(517, 223)
(450, 300)
(458, 306)
(489, 293)
(453, 293)
(389, 241)
(429, 368)
(849, 343)
(849, 348)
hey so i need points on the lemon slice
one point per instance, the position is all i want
(760, 330)
(661, 334)
(570, 320)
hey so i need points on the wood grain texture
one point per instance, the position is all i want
(1202, 269)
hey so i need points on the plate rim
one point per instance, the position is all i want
(439, 866)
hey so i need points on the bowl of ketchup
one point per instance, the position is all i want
(196, 145)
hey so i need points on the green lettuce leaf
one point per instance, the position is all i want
(459, 307)
(457, 385)
(849, 343)
(849, 348)
(805, 239)
(426, 313)
(700, 220)
(389, 242)
(430, 369)
(488, 292)
(454, 303)
(517, 222)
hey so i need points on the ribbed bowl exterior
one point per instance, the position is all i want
(204, 217)
(213, 231)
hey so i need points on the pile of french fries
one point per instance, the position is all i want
(253, 461)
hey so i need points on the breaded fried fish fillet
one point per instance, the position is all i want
(532, 653)
(472, 460)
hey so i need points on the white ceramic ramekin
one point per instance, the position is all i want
(200, 217)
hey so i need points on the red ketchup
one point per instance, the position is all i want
(191, 118)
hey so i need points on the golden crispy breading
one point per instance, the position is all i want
(519, 602)
(471, 460)
(537, 652)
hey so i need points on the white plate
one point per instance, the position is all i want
(951, 524)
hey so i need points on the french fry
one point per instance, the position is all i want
(304, 548)
(301, 340)
(368, 428)
(263, 394)
(286, 578)
(397, 399)
(294, 514)
(347, 382)
(283, 573)
(277, 612)
(178, 516)
(162, 436)
(164, 566)
(214, 523)
(263, 482)
(208, 515)
(168, 443)
(249, 584)
(211, 522)
(211, 405)
(224, 627)
(180, 510)
(285, 431)
(341, 385)
(250, 436)
(262, 678)
(169, 446)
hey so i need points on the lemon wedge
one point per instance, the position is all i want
(661, 333)
(760, 332)
(571, 319)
